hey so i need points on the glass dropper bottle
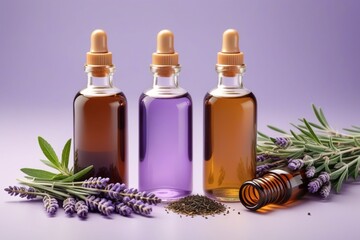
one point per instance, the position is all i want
(275, 187)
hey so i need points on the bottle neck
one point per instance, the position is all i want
(166, 82)
(230, 77)
(275, 187)
(165, 77)
(99, 77)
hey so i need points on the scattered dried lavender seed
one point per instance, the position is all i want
(196, 205)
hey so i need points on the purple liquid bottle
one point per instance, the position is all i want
(165, 128)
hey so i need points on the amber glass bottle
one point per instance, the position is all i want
(100, 127)
(275, 187)
(230, 126)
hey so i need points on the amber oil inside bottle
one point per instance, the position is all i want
(230, 135)
(100, 137)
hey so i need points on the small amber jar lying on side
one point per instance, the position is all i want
(275, 187)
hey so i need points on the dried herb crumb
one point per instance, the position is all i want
(309, 214)
(196, 205)
(239, 213)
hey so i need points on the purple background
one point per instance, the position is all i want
(297, 53)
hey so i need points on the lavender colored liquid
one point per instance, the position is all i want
(166, 146)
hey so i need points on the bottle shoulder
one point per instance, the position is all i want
(101, 92)
(166, 92)
(248, 97)
(147, 100)
(86, 98)
(223, 92)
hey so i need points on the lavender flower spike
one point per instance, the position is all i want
(51, 205)
(282, 142)
(23, 192)
(140, 207)
(314, 185)
(325, 190)
(96, 182)
(310, 171)
(295, 164)
(103, 205)
(81, 209)
(324, 177)
(69, 206)
(261, 158)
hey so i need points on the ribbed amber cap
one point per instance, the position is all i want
(165, 54)
(230, 53)
(99, 54)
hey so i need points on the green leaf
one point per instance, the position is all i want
(277, 129)
(307, 134)
(357, 143)
(356, 127)
(37, 173)
(324, 118)
(357, 168)
(295, 135)
(311, 131)
(331, 144)
(263, 135)
(319, 117)
(65, 154)
(78, 174)
(48, 163)
(316, 148)
(48, 151)
(341, 180)
(314, 125)
(351, 130)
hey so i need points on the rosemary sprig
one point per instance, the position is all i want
(313, 144)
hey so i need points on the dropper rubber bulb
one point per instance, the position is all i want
(165, 54)
(230, 54)
(98, 41)
(230, 42)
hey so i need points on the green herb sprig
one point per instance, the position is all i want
(313, 144)
(64, 174)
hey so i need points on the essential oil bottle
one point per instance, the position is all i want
(229, 126)
(165, 131)
(275, 187)
(100, 127)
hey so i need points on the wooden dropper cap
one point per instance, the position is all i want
(99, 55)
(165, 54)
(230, 53)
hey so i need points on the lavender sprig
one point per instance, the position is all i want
(51, 205)
(317, 145)
(23, 192)
(317, 183)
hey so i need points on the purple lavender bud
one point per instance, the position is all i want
(114, 191)
(81, 209)
(50, 204)
(295, 164)
(261, 158)
(310, 171)
(103, 205)
(123, 209)
(325, 190)
(324, 177)
(23, 192)
(139, 207)
(96, 182)
(282, 142)
(69, 206)
(262, 169)
(314, 185)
